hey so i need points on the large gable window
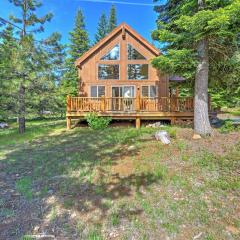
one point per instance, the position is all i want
(108, 71)
(137, 71)
(114, 54)
(133, 54)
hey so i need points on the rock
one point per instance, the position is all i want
(163, 137)
(131, 148)
(3, 125)
(196, 136)
(198, 236)
(155, 125)
(50, 191)
(36, 229)
(236, 122)
(113, 234)
(214, 121)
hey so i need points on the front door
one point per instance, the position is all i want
(123, 98)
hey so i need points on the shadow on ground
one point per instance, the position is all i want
(70, 170)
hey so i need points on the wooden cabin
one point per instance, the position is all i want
(116, 79)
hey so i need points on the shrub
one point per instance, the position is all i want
(172, 132)
(96, 123)
(227, 127)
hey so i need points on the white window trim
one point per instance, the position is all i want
(148, 86)
(134, 87)
(90, 92)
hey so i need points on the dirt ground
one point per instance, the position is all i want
(118, 197)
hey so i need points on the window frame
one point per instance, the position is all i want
(108, 51)
(132, 63)
(107, 63)
(122, 86)
(136, 61)
(149, 86)
(90, 90)
(145, 58)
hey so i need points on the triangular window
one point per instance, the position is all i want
(133, 54)
(114, 54)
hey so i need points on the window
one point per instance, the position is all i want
(149, 91)
(123, 91)
(133, 54)
(137, 71)
(97, 91)
(108, 71)
(114, 54)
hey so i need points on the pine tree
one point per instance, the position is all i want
(79, 45)
(78, 37)
(102, 29)
(8, 48)
(51, 57)
(200, 35)
(112, 19)
(29, 23)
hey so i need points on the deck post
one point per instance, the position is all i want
(68, 103)
(69, 123)
(138, 98)
(138, 122)
(103, 104)
(173, 120)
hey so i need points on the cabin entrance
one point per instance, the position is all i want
(123, 98)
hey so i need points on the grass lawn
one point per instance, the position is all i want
(119, 183)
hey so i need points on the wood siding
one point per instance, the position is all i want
(88, 69)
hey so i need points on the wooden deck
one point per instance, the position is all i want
(163, 108)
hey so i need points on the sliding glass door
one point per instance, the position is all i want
(122, 98)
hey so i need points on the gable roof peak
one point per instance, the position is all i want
(121, 27)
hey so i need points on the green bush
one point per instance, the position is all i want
(172, 132)
(97, 123)
(227, 127)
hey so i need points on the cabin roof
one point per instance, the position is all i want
(122, 27)
(176, 78)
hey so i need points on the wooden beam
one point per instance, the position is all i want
(173, 120)
(138, 99)
(68, 103)
(138, 122)
(123, 33)
(69, 123)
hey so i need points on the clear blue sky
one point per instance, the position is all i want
(138, 14)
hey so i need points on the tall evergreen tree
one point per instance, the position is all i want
(8, 48)
(102, 29)
(79, 40)
(112, 19)
(200, 36)
(51, 58)
(79, 44)
(29, 23)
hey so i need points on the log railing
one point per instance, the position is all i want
(120, 104)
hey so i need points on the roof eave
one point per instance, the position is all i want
(111, 35)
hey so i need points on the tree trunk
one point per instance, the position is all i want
(201, 118)
(21, 116)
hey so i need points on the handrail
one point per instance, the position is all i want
(130, 104)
